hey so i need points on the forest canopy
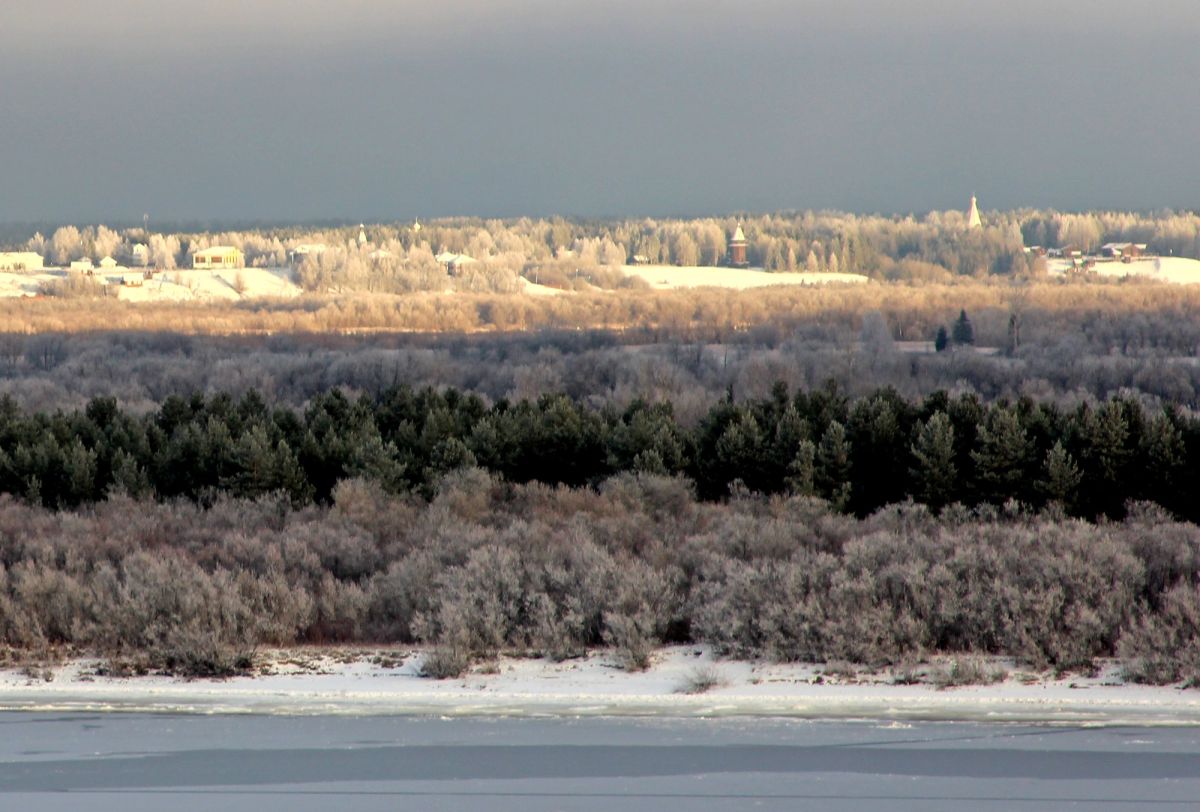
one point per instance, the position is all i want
(858, 454)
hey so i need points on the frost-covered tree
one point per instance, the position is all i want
(66, 245)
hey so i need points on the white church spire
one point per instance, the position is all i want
(973, 220)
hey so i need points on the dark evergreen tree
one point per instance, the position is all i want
(934, 476)
(1002, 457)
(1060, 477)
(963, 332)
(833, 466)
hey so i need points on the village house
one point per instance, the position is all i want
(1124, 251)
(82, 265)
(108, 263)
(219, 257)
(455, 262)
(21, 261)
(305, 250)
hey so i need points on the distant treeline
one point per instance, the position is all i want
(859, 454)
(400, 257)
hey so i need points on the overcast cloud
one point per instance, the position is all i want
(382, 109)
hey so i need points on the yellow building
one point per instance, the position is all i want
(20, 261)
(219, 257)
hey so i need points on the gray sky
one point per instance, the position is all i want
(382, 109)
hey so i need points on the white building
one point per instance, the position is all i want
(108, 263)
(305, 250)
(21, 261)
(82, 265)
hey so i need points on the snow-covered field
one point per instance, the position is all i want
(534, 289)
(360, 682)
(1179, 270)
(169, 286)
(665, 277)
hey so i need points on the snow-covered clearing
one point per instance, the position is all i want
(666, 277)
(1179, 270)
(362, 682)
(168, 286)
(231, 285)
(534, 289)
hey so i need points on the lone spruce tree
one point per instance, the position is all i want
(963, 332)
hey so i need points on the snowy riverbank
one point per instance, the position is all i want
(362, 682)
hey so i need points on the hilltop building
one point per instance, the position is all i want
(21, 261)
(219, 257)
(737, 249)
(305, 250)
(455, 262)
(973, 219)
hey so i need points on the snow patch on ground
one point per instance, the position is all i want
(128, 285)
(1178, 270)
(370, 682)
(534, 289)
(666, 277)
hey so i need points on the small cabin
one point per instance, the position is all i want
(1124, 251)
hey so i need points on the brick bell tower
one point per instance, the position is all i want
(737, 249)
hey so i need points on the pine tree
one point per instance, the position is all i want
(1106, 454)
(801, 470)
(833, 466)
(963, 332)
(1162, 452)
(129, 477)
(941, 341)
(1002, 455)
(934, 473)
(1062, 476)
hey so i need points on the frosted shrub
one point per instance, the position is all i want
(1165, 647)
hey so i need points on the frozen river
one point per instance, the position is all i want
(115, 761)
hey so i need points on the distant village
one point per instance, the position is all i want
(135, 262)
(132, 269)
